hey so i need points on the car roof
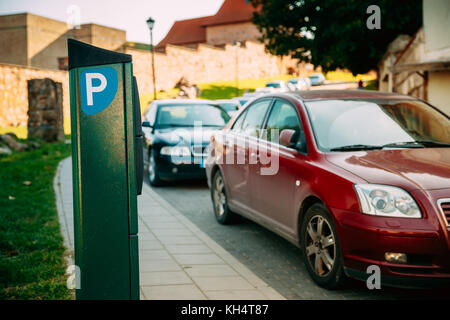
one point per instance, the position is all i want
(348, 94)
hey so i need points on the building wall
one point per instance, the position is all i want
(438, 90)
(230, 33)
(35, 41)
(46, 41)
(206, 64)
(13, 39)
(14, 92)
(101, 36)
(436, 21)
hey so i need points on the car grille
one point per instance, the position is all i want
(444, 205)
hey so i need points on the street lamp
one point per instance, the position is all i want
(237, 45)
(151, 23)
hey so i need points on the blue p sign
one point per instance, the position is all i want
(98, 88)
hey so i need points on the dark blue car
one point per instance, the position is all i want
(177, 133)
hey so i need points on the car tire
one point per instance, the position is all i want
(153, 175)
(222, 212)
(321, 249)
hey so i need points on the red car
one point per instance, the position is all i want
(354, 178)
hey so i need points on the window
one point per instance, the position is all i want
(254, 119)
(237, 126)
(151, 115)
(282, 116)
(187, 115)
(338, 123)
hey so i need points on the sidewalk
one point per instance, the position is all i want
(177, 260)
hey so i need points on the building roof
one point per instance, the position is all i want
(186, 32)
(232, 11)
(193, 31)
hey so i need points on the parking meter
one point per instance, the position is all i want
(107, 157)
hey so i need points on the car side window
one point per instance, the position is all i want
(151, 115)
(237, 126)
(282, 116)
(253, 121)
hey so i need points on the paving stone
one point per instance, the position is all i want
(173, 292)
(222, 283)
(153, 255)
(149, 245)
(179, 240)
(158, 265)
(235, 295)
(164, 278)
(172, 232)
(193, 259)
(185, 249)
(220, 270)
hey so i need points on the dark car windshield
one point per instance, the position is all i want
(188, 115)
(345, 125)
(273, 85)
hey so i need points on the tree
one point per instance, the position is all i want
(334, 33)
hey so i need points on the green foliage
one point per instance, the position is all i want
(339, 37)
(31, 245)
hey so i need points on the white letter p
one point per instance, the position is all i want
(91, 89)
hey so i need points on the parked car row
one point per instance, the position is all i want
(354, 178)
(293, 85)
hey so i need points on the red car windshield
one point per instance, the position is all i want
(376, 123)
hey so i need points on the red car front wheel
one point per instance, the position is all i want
(321, 249)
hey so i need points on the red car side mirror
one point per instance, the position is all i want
(286, 137)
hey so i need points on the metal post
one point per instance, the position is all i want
(238, 44)
(151, 23)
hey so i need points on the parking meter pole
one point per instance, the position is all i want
(107, 166)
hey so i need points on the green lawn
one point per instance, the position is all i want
(31, 246)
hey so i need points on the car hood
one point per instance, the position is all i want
(412, 169)
(186, 135)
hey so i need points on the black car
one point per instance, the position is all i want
(177, 132)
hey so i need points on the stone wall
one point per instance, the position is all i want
(230, 33)
(206, 64)
(45, 118)
(14, 92)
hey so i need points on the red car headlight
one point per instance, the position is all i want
(388, 201)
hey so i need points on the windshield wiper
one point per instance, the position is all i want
(356, 147)
(417, 144)
(431, 143)
(406, 144)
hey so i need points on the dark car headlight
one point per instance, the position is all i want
(176, 151)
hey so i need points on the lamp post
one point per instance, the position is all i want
(151, 23)
(237, 45)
